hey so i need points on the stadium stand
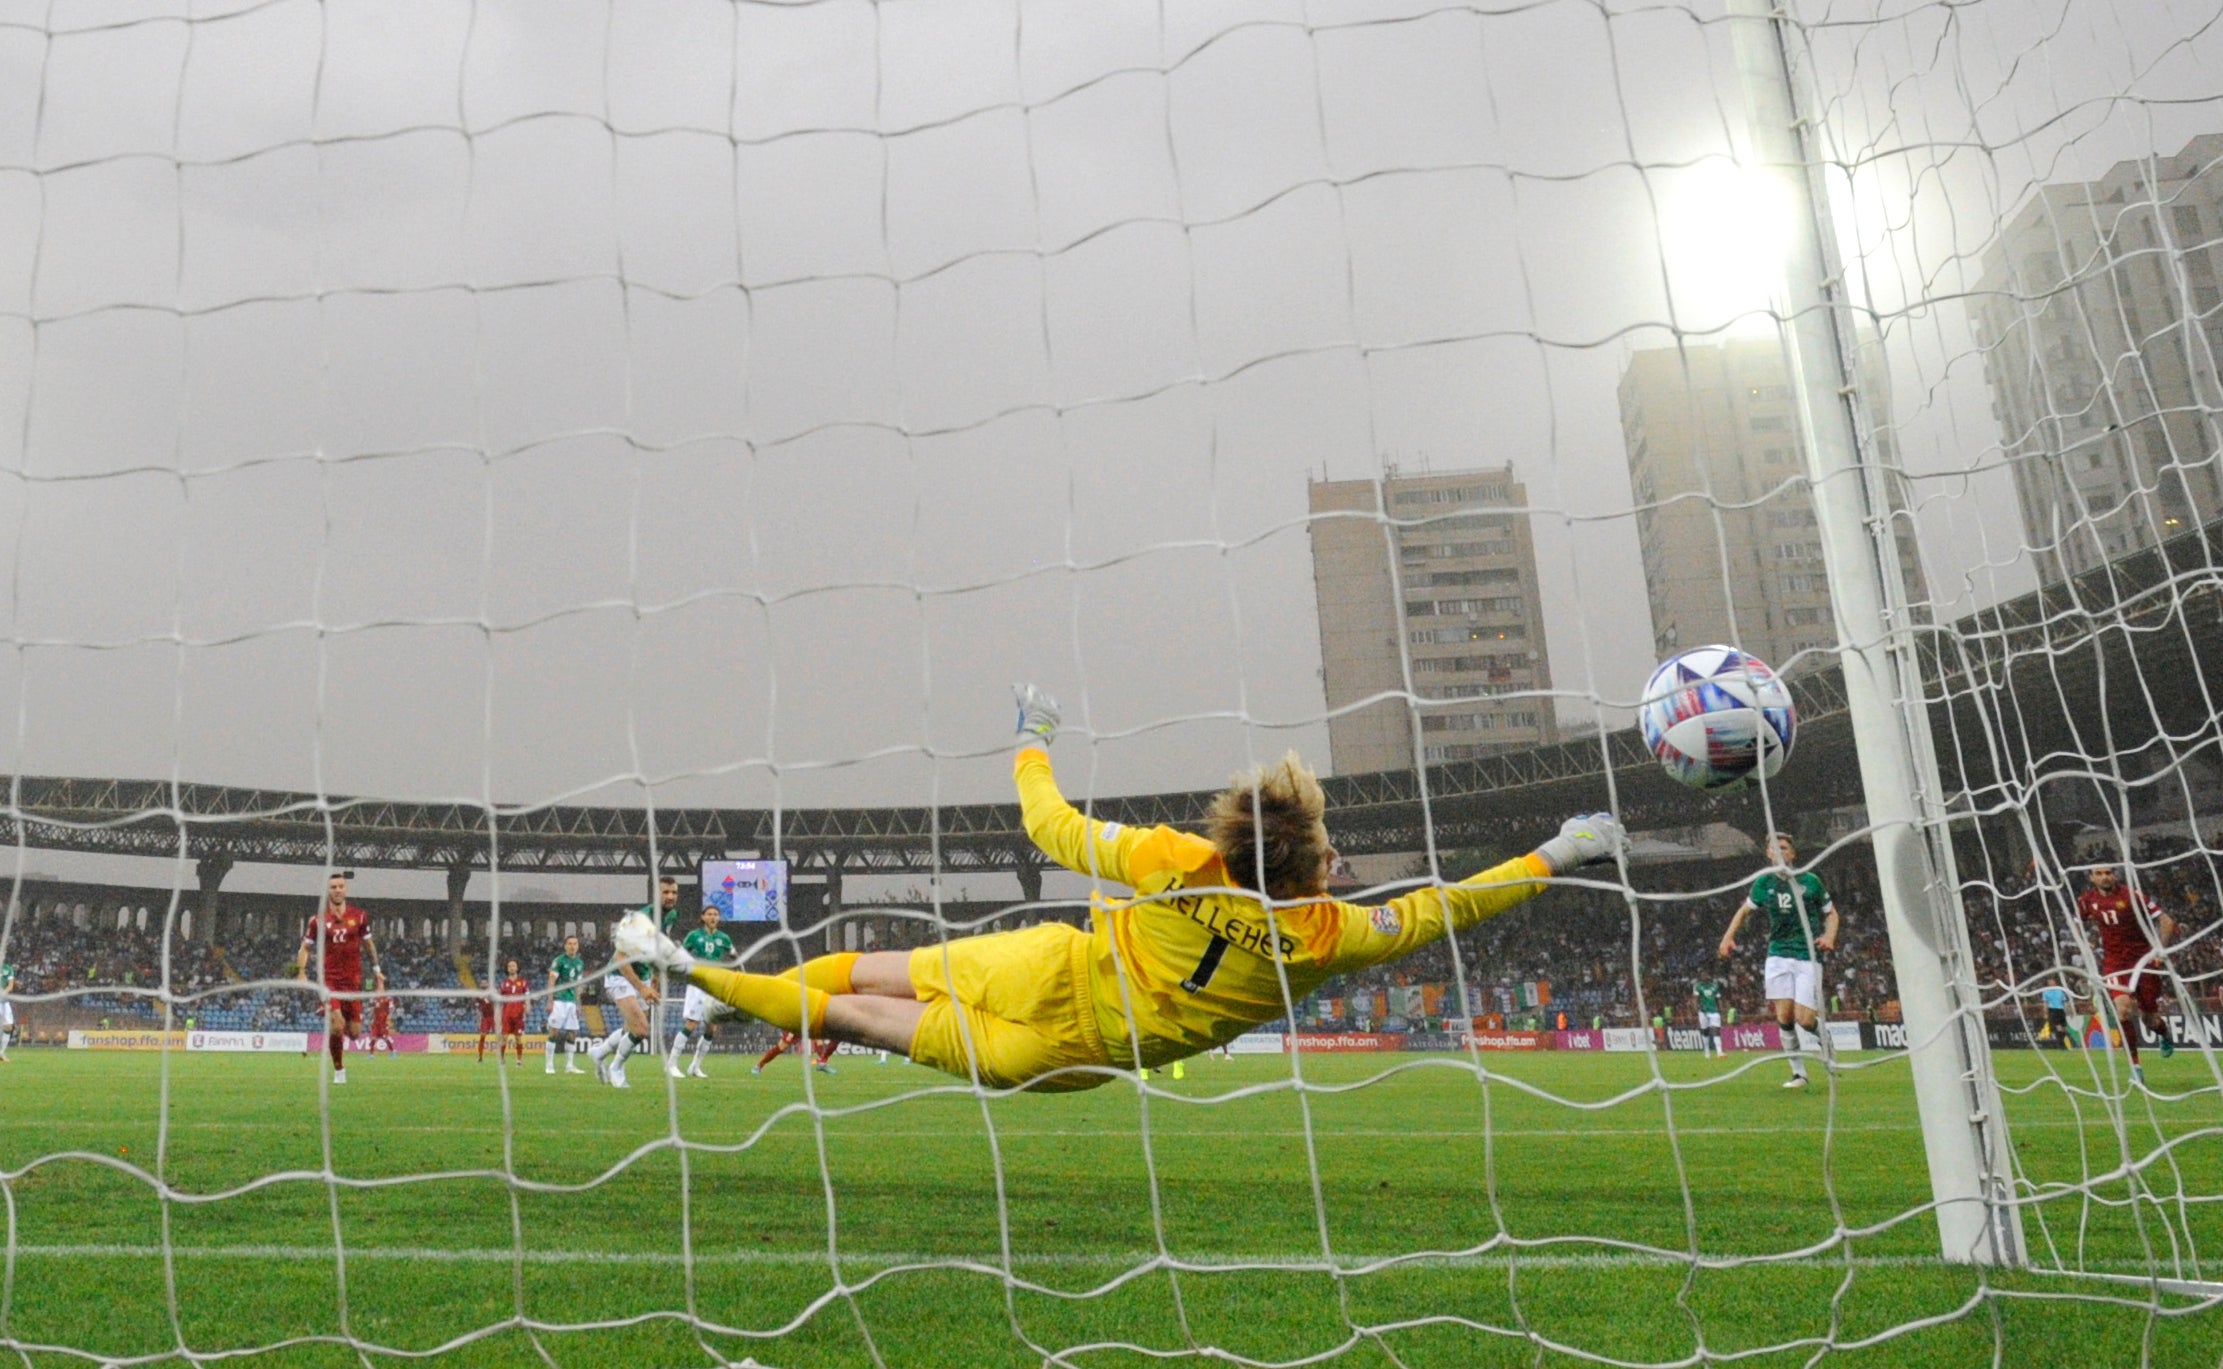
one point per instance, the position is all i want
(101, 948)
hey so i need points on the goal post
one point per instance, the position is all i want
(1964, 1126)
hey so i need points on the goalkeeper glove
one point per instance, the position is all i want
(1038, 716)
(1581, 841)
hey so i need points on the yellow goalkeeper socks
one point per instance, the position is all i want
(769, 998)
(829, 973)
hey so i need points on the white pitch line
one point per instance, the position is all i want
(1080, 1133)
(1299, 1262)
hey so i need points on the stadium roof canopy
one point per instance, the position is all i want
(2119, 663)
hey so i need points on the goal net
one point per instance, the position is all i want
(501, 453)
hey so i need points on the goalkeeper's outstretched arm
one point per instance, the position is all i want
(1370, 936)
(1137, 858)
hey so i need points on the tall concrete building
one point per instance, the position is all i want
(1440, 568)
(2100, 314)
(1724, 516)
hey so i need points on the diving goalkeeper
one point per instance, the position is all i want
(1187, 963)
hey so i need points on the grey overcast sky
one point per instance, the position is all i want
(520, 399)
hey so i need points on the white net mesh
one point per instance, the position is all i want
(516, 447)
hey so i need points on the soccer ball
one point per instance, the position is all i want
(1717, 718)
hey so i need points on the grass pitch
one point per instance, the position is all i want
(1402, 1211)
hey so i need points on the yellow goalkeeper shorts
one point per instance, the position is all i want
(1009, 1009)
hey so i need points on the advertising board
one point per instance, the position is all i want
(125, 1040)
(291, 1043)
(1336, 1042)
(1752, 1036)
(1883, 1036)
(1504, 1041)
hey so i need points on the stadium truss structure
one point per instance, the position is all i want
(2042, 657)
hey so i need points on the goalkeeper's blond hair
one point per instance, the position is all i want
(1269, 829)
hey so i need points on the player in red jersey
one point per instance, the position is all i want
(2131, 929)
(822, 1051)
(486, 1027)
(514, 991)
(336, 938)
(382, 1018)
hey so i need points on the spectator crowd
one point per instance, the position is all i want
(1608, 957)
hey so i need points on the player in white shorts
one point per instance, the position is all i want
(709, 945)
(630, 987)
(632, 1029)
(7, 1010)
(701, 1007)
(1802, 925)
(564, 974)
(1708, 994)
(1800, 981)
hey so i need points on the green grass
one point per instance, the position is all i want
(584, 1260)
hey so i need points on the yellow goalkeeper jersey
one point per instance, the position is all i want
(1193, 962)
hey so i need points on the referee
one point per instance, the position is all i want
(2057, 1014)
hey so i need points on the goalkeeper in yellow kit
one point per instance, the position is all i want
(1192, 960)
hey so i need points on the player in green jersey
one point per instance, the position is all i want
(1802, 925)
(564, 974)
(7, 1010)
(709, 945)
(632, 987)
(1708, 994)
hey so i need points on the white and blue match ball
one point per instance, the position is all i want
(1716, 718)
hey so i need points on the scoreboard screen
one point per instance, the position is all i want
(745, 890)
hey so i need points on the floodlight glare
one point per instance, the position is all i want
(1725, 230)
